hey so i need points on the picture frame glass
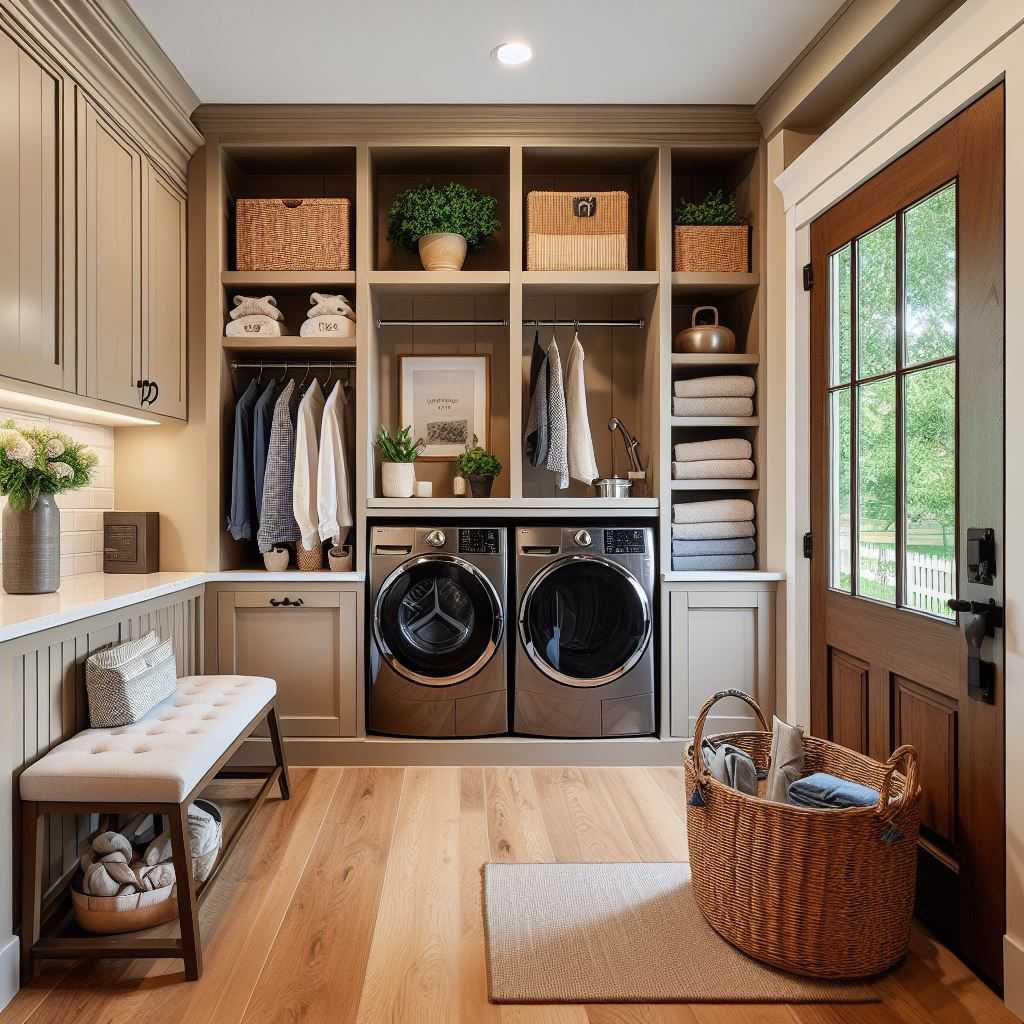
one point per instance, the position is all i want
(445, 399)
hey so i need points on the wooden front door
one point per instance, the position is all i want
(906, 477)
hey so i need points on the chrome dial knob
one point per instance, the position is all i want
(582, 538)
(436, 538)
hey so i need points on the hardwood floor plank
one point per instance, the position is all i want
(315, 971)
(648, 818)
(670, 781)
(608, 1013)
(412, 973)
(542, 1014)
(515, 821)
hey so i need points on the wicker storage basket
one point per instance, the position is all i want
(577, 231)
(723, 249)
(113, 915)
(292, 234)
(825, 893)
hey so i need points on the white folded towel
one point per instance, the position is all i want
(712, 531)
(722, 510)
(713, 469)
(722, 448)
(327, 325)
(263, 305)
(712, 407)
(255, 326)
(712, 563)
(731, 386)
(330, 305)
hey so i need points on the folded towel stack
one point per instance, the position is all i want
(713, 535)
(730, 395)
(330, 316)
(728, 458)
(255, 317)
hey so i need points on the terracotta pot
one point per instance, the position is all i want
(398, 479)
(443, 251)
(31, 548)
(480, 486)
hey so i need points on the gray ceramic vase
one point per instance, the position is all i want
(31, 548)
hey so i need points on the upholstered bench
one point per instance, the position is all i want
(157, 766)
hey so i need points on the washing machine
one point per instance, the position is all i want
(584, 664)
(437, 607)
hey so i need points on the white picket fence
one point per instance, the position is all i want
(931, 579)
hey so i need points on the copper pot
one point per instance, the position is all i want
(711, 337)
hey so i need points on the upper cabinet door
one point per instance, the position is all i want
(110, 250)
(163, 296)
(37, 214)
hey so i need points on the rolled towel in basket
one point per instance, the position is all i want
(723, 510)
(731, 766)
(722, 448)
(256, 326)
(829, 792)
(713, 469)
(711, 531)
(263, 305)
(712, 407)
(731, 386)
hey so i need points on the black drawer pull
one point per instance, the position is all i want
(286, 602)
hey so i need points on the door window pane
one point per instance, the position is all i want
(929, 231)
(929, 398)
(876, 301)
(841, 313)
(839, 501)
(876, 490)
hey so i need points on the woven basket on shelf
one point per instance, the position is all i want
(825, 893)
(577, 231)
(722, 249)
(292, 234)
(309, 559)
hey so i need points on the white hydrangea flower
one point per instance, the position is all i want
(15, 446)
(54, 448)
(61, 470)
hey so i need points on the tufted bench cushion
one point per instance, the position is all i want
(158, 759)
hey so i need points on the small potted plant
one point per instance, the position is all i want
(35, 464)
(442, 222)
(710, 236)
(398, 452)
(480, 468)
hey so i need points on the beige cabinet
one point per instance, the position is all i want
(719, 638)
(37, 207)
(307, 641)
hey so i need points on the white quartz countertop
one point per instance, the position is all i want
(94, 593)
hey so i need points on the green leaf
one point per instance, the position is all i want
(714, 211)
(431, 209)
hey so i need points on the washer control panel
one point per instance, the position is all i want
(625, 542)
(480, 540)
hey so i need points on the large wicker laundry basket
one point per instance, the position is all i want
(292, 234)
(825, 893)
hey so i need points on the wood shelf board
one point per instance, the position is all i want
(715, 359)
(715, 421)
(716, 485)
(713, 284)
(608, 282)
(427, 282)
(312, 279)
(290, 345)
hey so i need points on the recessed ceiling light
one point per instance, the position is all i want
(512, 54)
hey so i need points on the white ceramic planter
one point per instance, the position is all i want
(398, 479)
(340, 558)
(276, 560)
(442, 251)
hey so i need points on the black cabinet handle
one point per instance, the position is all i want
(286, 602)
(150, 391)
(156, 392)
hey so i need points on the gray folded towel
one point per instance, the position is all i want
(712, 407)
(731, 766)
(731, 386)
(735, 546)
(712, 563)
(250, 305)
(713, 469)
(721, 448)
(711, 531)
(787, 759)
(722, 510)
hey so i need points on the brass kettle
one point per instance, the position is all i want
(713, 337)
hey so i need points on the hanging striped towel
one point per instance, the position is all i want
(558, 430)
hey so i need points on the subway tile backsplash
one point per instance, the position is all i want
(81, 512)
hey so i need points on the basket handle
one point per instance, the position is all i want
(702, 309)
(696, 757)
(901, 755)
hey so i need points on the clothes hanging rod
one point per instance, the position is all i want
(298, 364)
(504, 323)
(584, 323)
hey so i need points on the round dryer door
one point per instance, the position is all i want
(585, 621)
(437, 620)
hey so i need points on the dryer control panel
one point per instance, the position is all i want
(478, 540)
(625, 542)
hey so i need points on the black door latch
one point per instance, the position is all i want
(984, 619)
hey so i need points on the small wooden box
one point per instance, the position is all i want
(131, 541)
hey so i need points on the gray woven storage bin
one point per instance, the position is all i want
(124, 682)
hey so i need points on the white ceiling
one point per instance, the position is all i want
(402, 51)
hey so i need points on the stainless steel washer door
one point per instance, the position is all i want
(585, 621)
(437, 620)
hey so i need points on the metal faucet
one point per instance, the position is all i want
(631, 443)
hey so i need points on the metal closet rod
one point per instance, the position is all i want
(299, 364)
(504, 323)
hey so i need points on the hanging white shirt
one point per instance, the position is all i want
(582, 461)
(307, 453)
(333, 490)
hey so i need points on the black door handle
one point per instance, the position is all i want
(286, 602)
(983, 619)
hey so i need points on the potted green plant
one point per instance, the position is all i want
(480, 468)
(398, 452)
(710, 236)
(35, 464)
(441, 222)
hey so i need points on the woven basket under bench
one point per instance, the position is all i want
(825, 893)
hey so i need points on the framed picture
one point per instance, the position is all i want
(447, 400)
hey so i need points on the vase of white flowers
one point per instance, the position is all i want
(35, 464)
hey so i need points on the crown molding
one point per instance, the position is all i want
(617, 123)
(110, 54)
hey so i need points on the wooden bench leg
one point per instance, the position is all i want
(188, 907)
(32, 823)
(274, 725)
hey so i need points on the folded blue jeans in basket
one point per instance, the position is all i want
(829, 792)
